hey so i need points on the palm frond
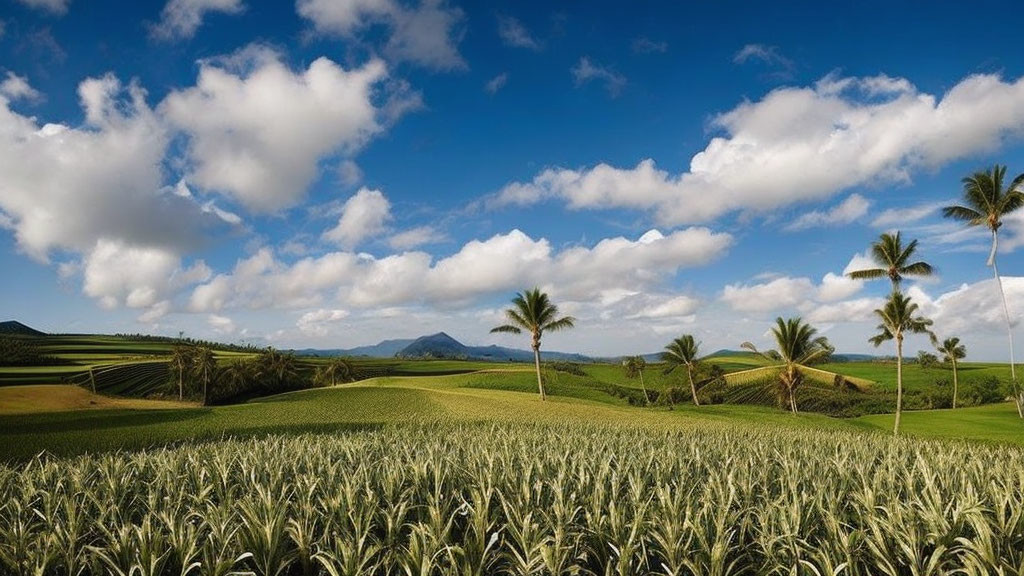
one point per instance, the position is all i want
(964, 214)
(560, 324)
(869, 274)
(508, 328)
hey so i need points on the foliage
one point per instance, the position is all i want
(532, 311)
(567, 367)
(797, 347)
(893, 261)
(926, 359)
(461, 499)
(16, 351)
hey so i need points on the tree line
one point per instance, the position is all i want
(985, 203)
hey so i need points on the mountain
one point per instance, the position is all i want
(384, 349)
(441, 345)
(15, 328)
(438, 345)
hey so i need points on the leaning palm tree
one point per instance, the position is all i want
(952, 350)
(897, 320)
(893, 260)
(204, 366)
(986, 202)
(533, 312)
(635, 367)
(683, 351)
(797, 348)
(338, 369)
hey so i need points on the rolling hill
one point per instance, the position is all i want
(15, 328)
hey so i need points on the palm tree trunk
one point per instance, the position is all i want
(647, 401)
(899, 382)
(693, 389)
(92, 380)
(1009, 328)
(536, 363)
(955, 383)
(792, 400)
(181, 385)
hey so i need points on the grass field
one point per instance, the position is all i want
(505, 396)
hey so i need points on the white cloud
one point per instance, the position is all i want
(221, 324)
(427, 34)
(318, 322)
(513, 33)
(16, 87)
(849, 210)
(117, 274)
(416, 237)
(67, 188)
(675, 307)
(585, 71)
(776, 294)
(496, 83)
(838, 287)
(858, 310)
(895, 217)
(364, 215)
(257, 129)
(800, 145)
(973, 308)
(502, 263)
(52, 6)
(769, 55)
(181, 18)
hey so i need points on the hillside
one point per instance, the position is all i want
(15, 328)
(441, 345)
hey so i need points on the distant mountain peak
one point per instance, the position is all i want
(15, 328)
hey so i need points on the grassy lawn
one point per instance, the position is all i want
(993, 423)
(884, 373)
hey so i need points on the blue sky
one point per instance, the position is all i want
(333, 173)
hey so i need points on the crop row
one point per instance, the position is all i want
(522, 499)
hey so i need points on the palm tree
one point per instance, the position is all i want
(952, 350)
(898, 320)
(181, 360)
(337, 369)
(635, 367)
(236, 377)
(683, 351)
(797, 348)
(533, 312)
(985, 204)
(204, 364)
(275, 369)
(893, 260)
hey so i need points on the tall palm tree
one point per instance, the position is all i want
(276, 370)
(952, 350)
(797, 348)
(897, 320)
(204, 366)
(683, 351)
(893, 260)
(635, 367)
(181, 361)
(985, 204)
(533, 312)
(236, 377)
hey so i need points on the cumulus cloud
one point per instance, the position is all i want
(57, 7)
(513, 33)
(776, 294)
(117, 274)
(221, 324)
(181, 18)
(318, 322)
(857, 310)
(415, 237)
(849, 210)
(481, 267)
(426, 34)
(973, 307)
(586, 71)
(496, 83)
(257, 129)
(838, 287)
(363, 216)
(800, 144)
(16, 87)
(67, 188)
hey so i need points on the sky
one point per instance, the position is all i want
(332, 173)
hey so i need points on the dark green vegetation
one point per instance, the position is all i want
(512, 499)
